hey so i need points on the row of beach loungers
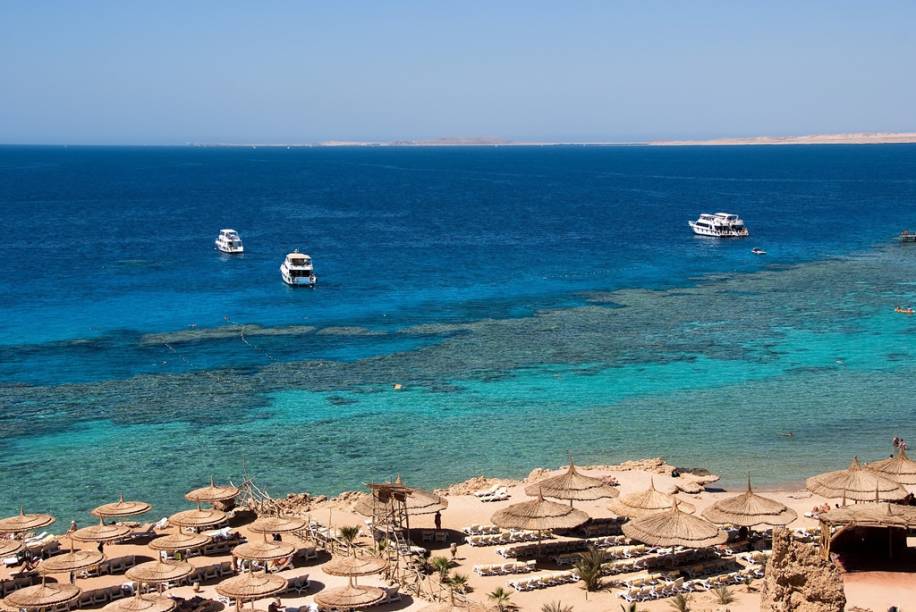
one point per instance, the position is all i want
(505, 569)
(493, 494)
(512, 536)
(609, 554)
(544, 580)
(647, 589)
(560, 547)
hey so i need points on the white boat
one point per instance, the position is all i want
(719, 225)
(228, 241)
(297, 270)
(758, 251)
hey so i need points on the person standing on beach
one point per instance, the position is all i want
(438, 521)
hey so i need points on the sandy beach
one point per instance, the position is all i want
(864, 590)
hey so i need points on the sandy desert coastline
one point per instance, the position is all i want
(486, 141)
(864, 590)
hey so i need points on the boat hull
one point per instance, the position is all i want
(712, 233)
(298, 281)
(228, 250)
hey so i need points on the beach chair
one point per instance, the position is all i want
(487, 492)
(629, 595)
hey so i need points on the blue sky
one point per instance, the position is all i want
(228, 71)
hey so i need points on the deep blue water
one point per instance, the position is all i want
(504, 280)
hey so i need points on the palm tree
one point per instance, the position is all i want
(556, 606)
(680, 602)
(348, 535)
(630, 607)
(500, 597)
(441, 565)
(589, 568)
(724, 595)
(458, 583)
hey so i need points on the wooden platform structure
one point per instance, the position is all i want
(874, 515)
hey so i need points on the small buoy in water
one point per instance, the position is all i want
(397, 386)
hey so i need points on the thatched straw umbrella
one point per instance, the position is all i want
(572, 486)
(350, 597)
(159, 572)
(277, 524)
(198, 518)
(23, 522)
(899, 468)
(674, 528)
(855, 483)
(250, 586)
(748, 510)
(539, 515)
(418, 501)
(212, 493)
(121, 508)
(142, 603)
(263, 551)
(644, 503)
(72, 561)
(41, 596)
(10, 547)
(175, 542)
(101, 533)
(352, 567)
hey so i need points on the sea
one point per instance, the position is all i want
(479, 310)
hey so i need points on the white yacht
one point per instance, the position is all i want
(719, 225)
(297, 270)
(228, 241)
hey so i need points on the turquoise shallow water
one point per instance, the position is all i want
(628, 345)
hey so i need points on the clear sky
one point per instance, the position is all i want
(167, 72)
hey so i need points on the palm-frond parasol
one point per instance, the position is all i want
(142, 603)
(538, 514)
(749, 509)
(121, 508)
(251, 585)
(175, 542)
(674, 528)
(263, 551)
(41, 596)
(101, 533)
(650, 501)
(198, 518)
(350, 596)
(10, 547)
(855, 483)
(277, 524)
(212, 493)
(572, 486)
(72, 561)
(23, 522)
(159, 571)
(899, 468)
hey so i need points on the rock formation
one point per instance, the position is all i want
(798, 579)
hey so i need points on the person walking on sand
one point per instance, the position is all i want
(438, 520)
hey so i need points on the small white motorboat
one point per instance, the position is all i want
(758, 251)
(297, 270)
(229, 242)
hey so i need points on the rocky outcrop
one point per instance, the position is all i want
(472, 485)
(798, 579)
